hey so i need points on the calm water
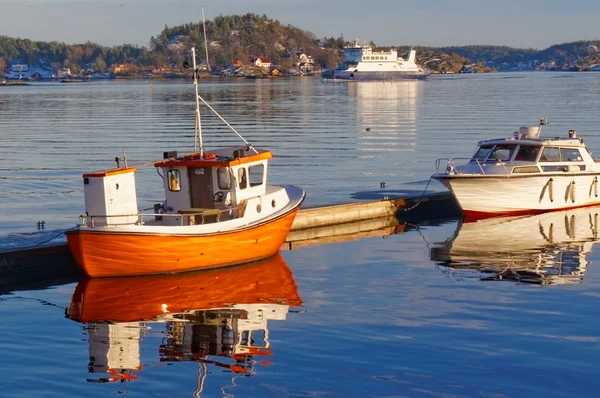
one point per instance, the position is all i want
(498, 308)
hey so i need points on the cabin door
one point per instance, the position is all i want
(201, 192)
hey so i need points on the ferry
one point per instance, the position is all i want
(362, 63)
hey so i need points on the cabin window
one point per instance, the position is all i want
(526, 169)
(224, 178)
(527, 153)
(483, 152)
(256, 174)
(242, 179)
(174, 178)
(502, 152)
(550, 154)
(570, 155)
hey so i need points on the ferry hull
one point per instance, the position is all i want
(485, 196)
(102, 254)
(378, 76)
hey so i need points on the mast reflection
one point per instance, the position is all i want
(216, 318)
(546, 249)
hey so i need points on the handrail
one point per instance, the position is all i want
(141, 215)
(451, 164)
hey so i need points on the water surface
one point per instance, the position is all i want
(498, 308)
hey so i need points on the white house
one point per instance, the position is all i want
(263, 62)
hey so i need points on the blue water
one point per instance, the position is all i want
(417, 313)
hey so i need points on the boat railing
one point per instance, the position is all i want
(451, 165)
(144, 216)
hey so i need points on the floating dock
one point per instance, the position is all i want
(49, 265)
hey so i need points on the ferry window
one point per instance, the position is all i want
(483, 152)
(256, 174)
(570, 155)
(174, 178)
(527, 153)
(242, 178)
(223, 178)
(550, 154)
(502, 152)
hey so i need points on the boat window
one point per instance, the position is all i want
(526, 169)
(242, 178)
(502, 152)
(256, 174)
(570, 155)
(527, 153)
(223, 178)
(174, 178)
(483, 152)
(550, 154)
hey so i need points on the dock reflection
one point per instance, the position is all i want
(216, 318)
(546, 249)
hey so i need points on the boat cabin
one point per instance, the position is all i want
(198, 189)
(212, 187)
(525, 152)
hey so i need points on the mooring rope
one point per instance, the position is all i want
(420, 199)
(54, 237)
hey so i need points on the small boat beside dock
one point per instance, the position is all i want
(218, 211)
(523, 174)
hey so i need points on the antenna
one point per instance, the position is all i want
(205, 41)
(543, 122)
(198, 130)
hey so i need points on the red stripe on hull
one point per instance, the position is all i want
(472, 216)
(105, 254)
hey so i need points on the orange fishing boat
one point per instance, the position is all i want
(218, 211)
(216, 317)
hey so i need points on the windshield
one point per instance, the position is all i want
(482, 152)
(502, 152)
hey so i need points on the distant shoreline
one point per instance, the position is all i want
(13, 83)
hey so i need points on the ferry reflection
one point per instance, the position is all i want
(547, 249)
(386, 114)
(214, 317)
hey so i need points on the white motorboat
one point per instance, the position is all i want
(522, 174)
(362, 63)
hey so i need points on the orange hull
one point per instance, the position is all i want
(123, 254)
(143, 298)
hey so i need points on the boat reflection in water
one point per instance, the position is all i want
(214, 317)
(547, 249)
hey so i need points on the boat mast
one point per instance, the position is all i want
(205, 40)
(198, 132)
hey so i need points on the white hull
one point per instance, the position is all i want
(514, 195)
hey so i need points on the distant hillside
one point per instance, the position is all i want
(242, 37)
(249, 36)
(571, 56)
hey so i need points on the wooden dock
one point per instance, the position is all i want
(42, 266)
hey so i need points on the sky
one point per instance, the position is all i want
(534, 24)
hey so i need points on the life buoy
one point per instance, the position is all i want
(210, 156)
(192, 156)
